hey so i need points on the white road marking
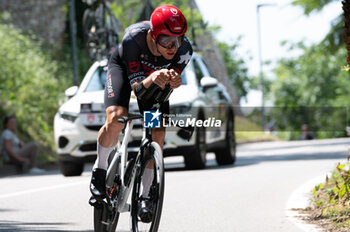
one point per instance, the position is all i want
(36, 190)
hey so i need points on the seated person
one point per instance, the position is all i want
(305, 133)
(15, 151)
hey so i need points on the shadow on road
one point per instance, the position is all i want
(256, 159)
(10, 226)
(295, 144)
(34, 226)
(260, 158)
(241, 161)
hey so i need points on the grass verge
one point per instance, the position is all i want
(247, 131)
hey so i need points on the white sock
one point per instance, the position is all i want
(102, 157)
(146, 181)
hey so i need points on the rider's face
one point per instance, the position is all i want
(168, 45)
(167, 53)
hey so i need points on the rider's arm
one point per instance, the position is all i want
(159, 77)
(145, 90)
(180, 61)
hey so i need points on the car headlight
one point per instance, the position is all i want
(68, 116)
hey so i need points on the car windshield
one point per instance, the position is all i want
(98, 80)
(183, 78)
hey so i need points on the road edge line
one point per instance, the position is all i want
(300, 199)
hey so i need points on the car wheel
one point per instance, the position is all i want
(227, 154)
(196, 158)
(69, 168)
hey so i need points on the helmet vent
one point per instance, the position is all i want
(176, 33)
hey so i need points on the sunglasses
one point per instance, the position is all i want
(170, 42)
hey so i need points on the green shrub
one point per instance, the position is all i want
(332, 198)
(30, 83)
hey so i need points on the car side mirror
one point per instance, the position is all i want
(71, 92)
(207, 82)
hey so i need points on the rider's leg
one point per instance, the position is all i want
(145, 212)
(116, 100)
(158, 135)
(107, 139)
(108, 134)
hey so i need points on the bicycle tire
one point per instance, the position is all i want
(157, 190)
(104, 219)
(102, 215)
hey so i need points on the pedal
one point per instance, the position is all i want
(95, 203)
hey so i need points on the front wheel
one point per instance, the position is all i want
(227, 154)
(152, 154)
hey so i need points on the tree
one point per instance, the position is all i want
(334, 39)
(130, 11)
(312, 88)
(30, 83)
(236, 67)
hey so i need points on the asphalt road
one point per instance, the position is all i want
(249, 196)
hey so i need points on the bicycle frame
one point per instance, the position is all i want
(124, 190)
(122, 155)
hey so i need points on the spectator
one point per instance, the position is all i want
(15, 151)
(271, 129)
(305, 133)
(347, 129)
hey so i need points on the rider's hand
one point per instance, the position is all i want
(175, 79)
(161, 77)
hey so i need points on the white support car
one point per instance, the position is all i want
(78, 120)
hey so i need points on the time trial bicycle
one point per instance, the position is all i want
(125, 174)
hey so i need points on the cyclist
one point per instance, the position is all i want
(154, 51)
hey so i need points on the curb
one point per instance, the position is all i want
(300, 199)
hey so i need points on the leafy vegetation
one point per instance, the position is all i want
(236, 68)
(136, 12)
(30, 83)
(246, 132)
(316, 79)
(312, 88)
(332, 199)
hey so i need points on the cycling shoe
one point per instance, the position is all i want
(95, 203)
(98, 183)
(145, 210)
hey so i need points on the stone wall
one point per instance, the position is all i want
(45, 18)
(215, 63)
(211, 55)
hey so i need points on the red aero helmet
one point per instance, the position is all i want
(167, 20)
